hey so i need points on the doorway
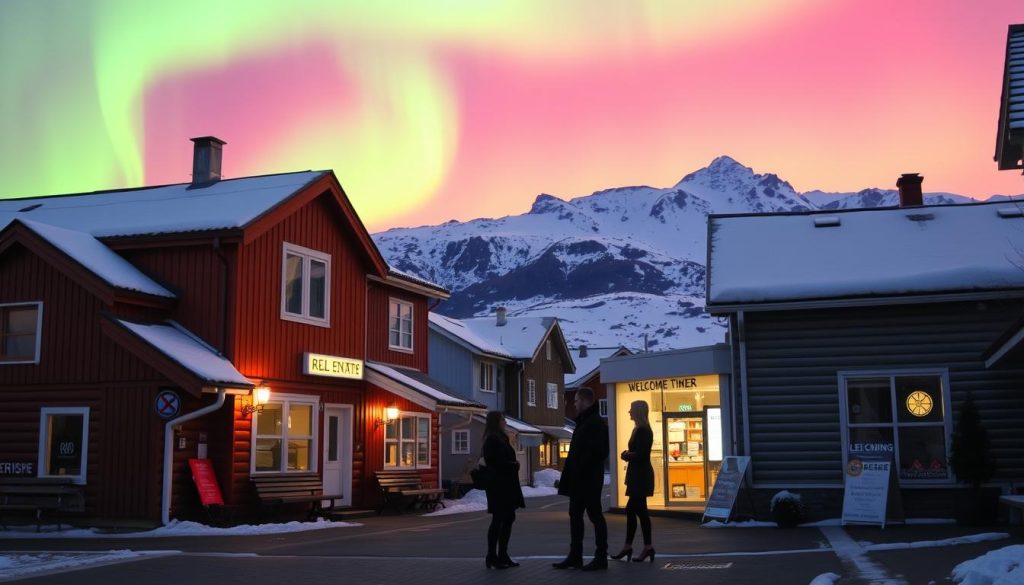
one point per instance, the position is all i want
(685, 468)
(337, 456)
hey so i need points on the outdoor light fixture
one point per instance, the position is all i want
(390, 414)
(260, 396)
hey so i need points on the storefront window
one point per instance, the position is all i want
(285, 437)
(407, 441)
(63, 442)
(902, 417)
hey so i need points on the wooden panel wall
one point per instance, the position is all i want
(378, 328)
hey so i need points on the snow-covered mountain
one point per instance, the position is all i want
(619, 266)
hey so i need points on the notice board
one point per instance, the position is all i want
(206, 482)
(870, 490)
(727, 487)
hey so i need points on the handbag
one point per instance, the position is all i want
(482, 476)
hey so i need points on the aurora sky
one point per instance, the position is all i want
(442, 109)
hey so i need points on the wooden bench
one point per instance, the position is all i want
(402, 489)
(278, 490)
(37, 495)
(1016, 506)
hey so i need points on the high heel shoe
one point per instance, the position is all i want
(648, 552)
(625, 552)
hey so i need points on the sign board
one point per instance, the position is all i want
(866, 489)
(314, 364)
(727, 487)
(168, 404)
(206, 482)
(17, 468)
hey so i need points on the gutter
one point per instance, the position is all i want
(165, 498)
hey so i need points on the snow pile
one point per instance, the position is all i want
(174, 529)
(476, 500)
(546, 477)
(999, 567)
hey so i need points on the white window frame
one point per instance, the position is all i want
(531, 393)
(947, 423)
(44, 414)
(39, 331)
(460, 442)
(307, 255)
(400, 304)
(602, 407)
(286, 401)
(486, 377)
(418, 416)
(552, 396)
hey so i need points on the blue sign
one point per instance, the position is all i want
(168, 404)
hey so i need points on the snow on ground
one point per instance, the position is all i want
(1004, 566)
(174, 529)
(21, 565)
(476, 500)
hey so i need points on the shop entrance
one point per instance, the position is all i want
(686, 472)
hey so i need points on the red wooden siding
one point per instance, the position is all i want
(373, 437)
(377, 328)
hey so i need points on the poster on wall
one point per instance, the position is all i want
(726, 488)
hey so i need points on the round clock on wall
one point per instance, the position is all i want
(919, 403)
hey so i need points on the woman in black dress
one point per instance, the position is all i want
(639, 482)
(504, 493)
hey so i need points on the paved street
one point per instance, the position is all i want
(420, 549)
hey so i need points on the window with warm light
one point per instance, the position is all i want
(285, 436)
(20, 326)
(400, 325)
(305, 285)
(407, 441)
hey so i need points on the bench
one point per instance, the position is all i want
(37, 495)
(402, 489)
(1016, 506)
(277, 490)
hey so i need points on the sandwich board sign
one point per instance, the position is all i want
(869, 487)
(727, 486)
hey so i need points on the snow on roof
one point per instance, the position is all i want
(392, 271)
(519, 337)
(101, 260)
(516, 425)
(423, 384)
(192, 353)
(877, 252)
(226, 204)
(585, 366)
(459, 329)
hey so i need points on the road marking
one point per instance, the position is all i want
(694, 565)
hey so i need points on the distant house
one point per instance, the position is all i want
(588, 375)
(864, 331)
(1010, 134)
(250, 322)
(512, 364)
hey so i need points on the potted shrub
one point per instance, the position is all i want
(973, 463)
(787, 509)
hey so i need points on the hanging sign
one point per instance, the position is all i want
(866, 489)
(727, 487)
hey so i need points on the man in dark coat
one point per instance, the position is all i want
(582, 480)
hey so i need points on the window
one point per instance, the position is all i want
(64, 442)
(285, 435)
(552, 396)
(903, 415)
(486, 377)
(602, 407)
(531, 393)
(407, 441)
(400, 325)
(460, 442)
(305, 286)
(19, 333)
(547, 348)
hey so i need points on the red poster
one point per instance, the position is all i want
(206, 482)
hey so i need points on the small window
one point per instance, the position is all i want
(407, 442)
(486, 377)
(552, 396)
(285, 436)
(460, 442)
(531, 393)
(64, 442)
(20, 326)
(602, 407)
(400, 325)
(547, 348)
(305, 286)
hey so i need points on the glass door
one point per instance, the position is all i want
(686, 478)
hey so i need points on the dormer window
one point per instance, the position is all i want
(305, 286)
(400, 325)
(20, 325)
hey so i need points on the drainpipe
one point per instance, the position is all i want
(165, 499)
(741, 333)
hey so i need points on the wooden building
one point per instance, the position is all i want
(137, 324)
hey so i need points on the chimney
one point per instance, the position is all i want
(909, 185)
(206, 160)
(583, 351)
(500, 312)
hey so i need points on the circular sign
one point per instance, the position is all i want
(919, 403)
(855, 467)
(167, 404)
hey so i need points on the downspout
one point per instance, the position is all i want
(742, 335)
(165, 500)
(732, 384)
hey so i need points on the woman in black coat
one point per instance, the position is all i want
(639, 481)
(504, 494)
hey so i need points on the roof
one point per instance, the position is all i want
(857, 254)
(519, 338)
(190, 352)
(460, 332)
(97, 258)
(225, 204)
(1010, 136)
(591, 364)
(563, 432)
(517, 426)
(436, 393)
(435, 289)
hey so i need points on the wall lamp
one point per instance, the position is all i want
(255, 401)
(390, 415)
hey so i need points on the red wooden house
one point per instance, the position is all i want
(136, 324)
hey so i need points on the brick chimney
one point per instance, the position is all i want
(206, 156)
(583, 351)
(909, 185)
(500, 312)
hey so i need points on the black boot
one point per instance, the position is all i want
(599, 563)
(571, 562)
